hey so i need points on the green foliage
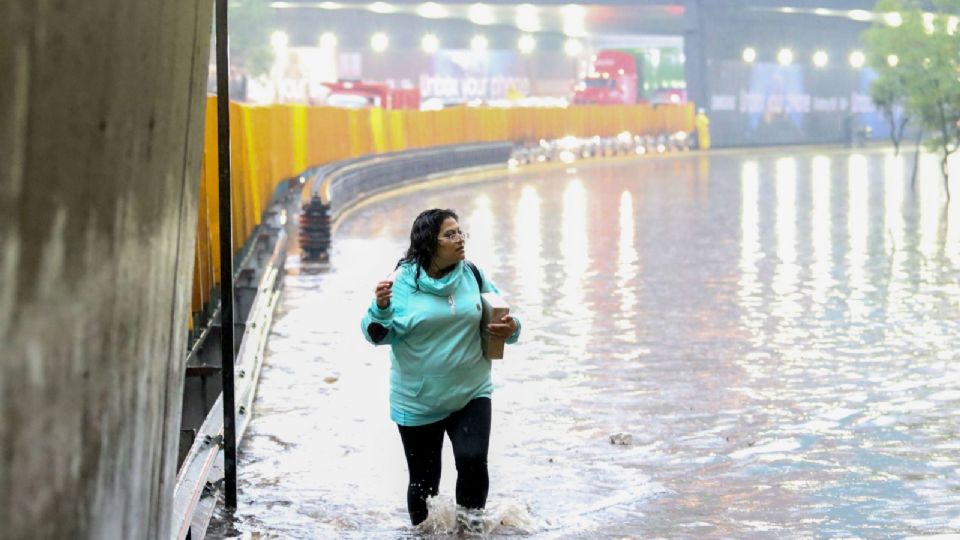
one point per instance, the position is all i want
(888, 92)
(889, 89)
(926, 80)
(250, 28)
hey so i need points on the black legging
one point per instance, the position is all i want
(469, 432)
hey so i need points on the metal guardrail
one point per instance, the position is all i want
(258, 282)
(345, 183)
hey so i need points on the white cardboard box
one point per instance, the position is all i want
(494, 308)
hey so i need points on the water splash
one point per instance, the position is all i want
(507, 518)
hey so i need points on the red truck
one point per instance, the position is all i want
(618, 78)
(613, 78)
(361, 95)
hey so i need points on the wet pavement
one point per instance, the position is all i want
(775, 332)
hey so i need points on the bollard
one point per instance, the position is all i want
(315, 231)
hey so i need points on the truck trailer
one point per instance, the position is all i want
(623, 77)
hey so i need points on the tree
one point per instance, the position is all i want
(888, 94)
(937, 101)
(927, 78)
(889, 89)
(250, 35)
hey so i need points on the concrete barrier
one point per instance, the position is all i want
(101, 117)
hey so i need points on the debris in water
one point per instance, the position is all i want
(623, 439)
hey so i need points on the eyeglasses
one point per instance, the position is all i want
(453, 235)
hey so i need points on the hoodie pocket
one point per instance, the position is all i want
(409, 387)
(441, 392)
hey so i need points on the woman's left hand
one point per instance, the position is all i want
(505, 328)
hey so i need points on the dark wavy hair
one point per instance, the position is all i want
(423, 238)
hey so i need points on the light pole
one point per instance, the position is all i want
(226, 258)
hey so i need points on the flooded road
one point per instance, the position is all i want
(776, 334)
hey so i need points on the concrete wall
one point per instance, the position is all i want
(101, 109)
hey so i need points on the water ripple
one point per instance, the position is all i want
(775, 333)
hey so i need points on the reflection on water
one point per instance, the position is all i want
(821, 237)
(571, 309)
(785, 277)
(627, 268)
(858, 233)
(775, 333)
(528, 247)
(750, 250)
(483, 228)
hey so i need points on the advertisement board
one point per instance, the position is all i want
(768, 103)
(464, 75)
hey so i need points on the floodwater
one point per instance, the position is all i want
(773, 333)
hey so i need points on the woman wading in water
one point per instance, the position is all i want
(428, 312)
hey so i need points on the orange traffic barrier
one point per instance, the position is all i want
(276, 142)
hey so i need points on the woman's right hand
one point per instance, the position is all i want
(384, 291)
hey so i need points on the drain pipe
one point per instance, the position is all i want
(226, 259)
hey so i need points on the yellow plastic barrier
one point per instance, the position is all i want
(273, 143)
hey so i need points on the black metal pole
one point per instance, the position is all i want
(226, 259)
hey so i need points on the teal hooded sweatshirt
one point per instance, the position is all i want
(436, 363)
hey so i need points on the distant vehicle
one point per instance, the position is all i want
(613, 79)
(361, 95)
(668, 96)
(618, 77)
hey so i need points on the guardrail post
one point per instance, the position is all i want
(226, 259)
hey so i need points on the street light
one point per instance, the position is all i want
(328, 40)
(820, 59)
(749, 55)
(573, 47)
(857, 59)
(480, 14)
(573, 19)
(860, 15)
(785, 57)
(526, 44)
(430, 43)
(432, 10)
(528, 18)
(893, 60)
(379, 42)
(479, 43)
(382, 7)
